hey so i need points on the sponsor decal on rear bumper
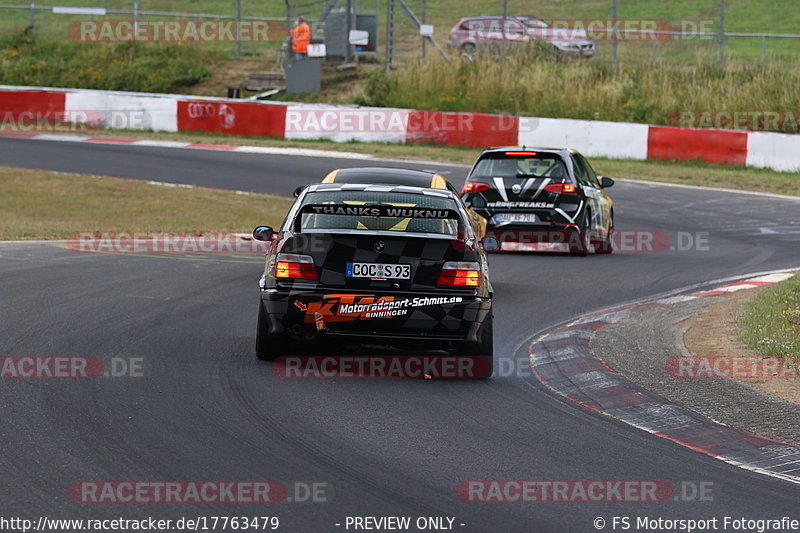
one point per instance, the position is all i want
(531, 205)
(345, 307)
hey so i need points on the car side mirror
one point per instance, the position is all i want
(606, 182)
(490, 244)
(299, 190)
(264, 233)
(476, 201)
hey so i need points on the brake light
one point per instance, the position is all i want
(295, 266)
(475, 186)
(562, 188)
(460, 274)
(520, 153)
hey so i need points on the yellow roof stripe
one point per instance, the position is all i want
(438, 182)
(331, 176)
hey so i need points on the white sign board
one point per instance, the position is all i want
(359, 37)
(316, 50)
(426, 30)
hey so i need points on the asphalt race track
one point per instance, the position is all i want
(206, 409)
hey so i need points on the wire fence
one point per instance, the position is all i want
(241, 28)
(681, 32)
(676, 32)
(237, 21)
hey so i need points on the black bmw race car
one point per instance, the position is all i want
(541, 195)
(370, 263)
(400, 176)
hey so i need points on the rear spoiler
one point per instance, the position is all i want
(380, 210)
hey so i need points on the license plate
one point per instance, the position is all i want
(515, 217)
(378, 270)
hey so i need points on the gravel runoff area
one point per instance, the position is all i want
(643, 359)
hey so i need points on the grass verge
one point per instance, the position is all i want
(38, 204)
(28, 59)
(685, 173)
(770, 322)
(652, 93)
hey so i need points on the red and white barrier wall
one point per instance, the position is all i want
(591, 137)
(117, 111)
(24, 107)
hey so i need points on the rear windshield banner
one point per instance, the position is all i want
(390, 211)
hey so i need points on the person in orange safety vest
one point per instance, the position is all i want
(301, 36)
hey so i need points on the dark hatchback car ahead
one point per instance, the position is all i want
(548, 195)
(360, 263)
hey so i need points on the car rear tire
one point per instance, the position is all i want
(580, 242)
(482, 351)
(485, 345)
(268, 347)
(606, 246)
